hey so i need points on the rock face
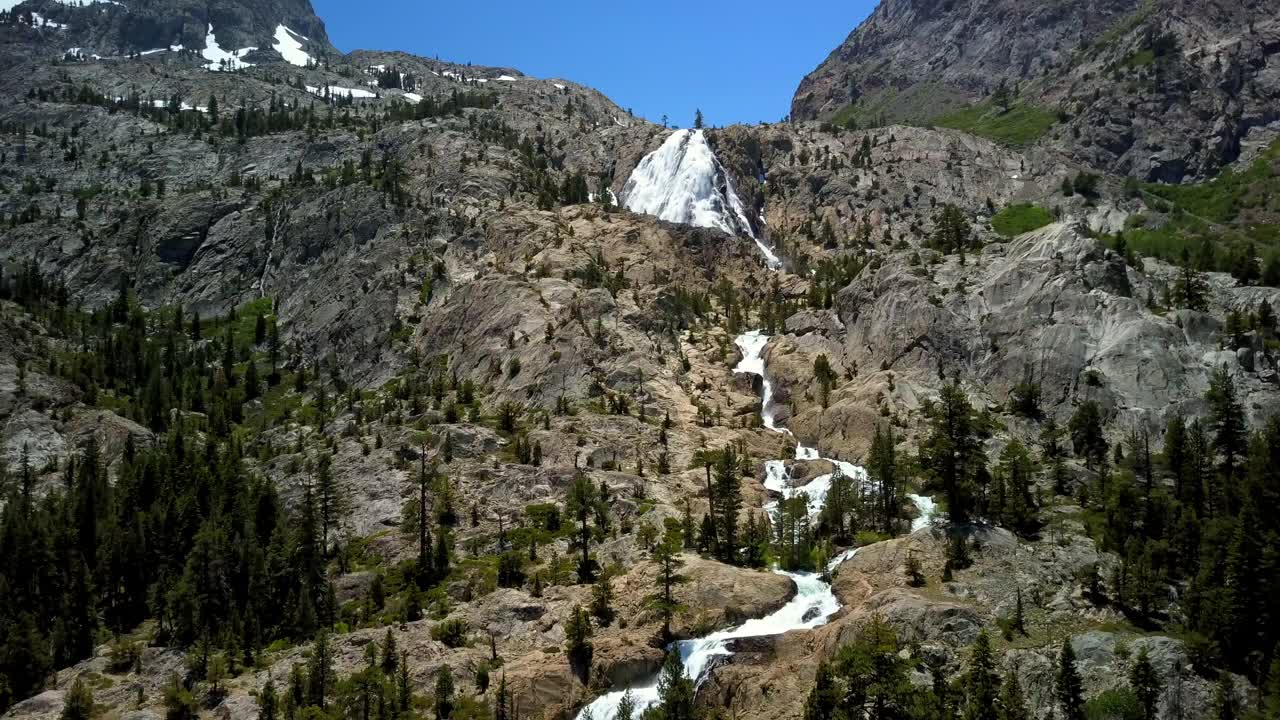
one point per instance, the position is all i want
(1050, 307)
(1137, 85)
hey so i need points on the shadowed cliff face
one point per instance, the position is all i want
(1138, 88)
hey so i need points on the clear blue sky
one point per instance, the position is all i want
(738, 62)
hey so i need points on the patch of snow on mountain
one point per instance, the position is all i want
(40, 21)
(683, 182)
(506, 78)
(414, 97)
(336, 91)
(558, 86)
(289, 45)
(220, 59)
(171, 48)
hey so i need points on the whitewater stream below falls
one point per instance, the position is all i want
(814, 602)
(683, 182)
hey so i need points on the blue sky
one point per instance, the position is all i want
(738, 62)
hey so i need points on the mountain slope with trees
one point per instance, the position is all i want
(345, 390)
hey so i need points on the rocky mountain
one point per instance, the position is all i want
(269, 314)
(249, 30)
(1157, 89)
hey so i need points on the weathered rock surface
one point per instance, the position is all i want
(1140, 90)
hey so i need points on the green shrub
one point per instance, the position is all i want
(1115, 704)
(452, 633)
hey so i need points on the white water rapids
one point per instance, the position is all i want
(683, 182)
(814, 602)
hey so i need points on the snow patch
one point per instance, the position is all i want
(558, 86)
(506, 78)
(40, 21)
(289, 45)
(171, 48)
(414, 97)
(220, 59)
(182, 105)
(336, 91)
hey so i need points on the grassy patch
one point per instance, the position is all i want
(1018, 126)
(1230, 195)
(913, 105)
(244, 324)
(1234, 208)
(1018, 219)
(1142, 58)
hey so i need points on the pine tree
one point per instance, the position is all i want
(1227, 420)
(443, 695)
(982, 684)
(389, 656)
(426, 573)
(1067, 685)
(675, 692)
(321, 679)
(1086, 433)
(78, 704)
(1146, 684)
(252, 385)
(1018, 512)
(1191, 290)
(329, 500)
(581, 504)
(602, 600)
(1013, 705)
(667, 555)
(824, 699)
(728, 504)
(267, 701)
(952, 232)
(577, 644)
(1224, 699)
(882, 469)
(626, 709)
(951, 452)
(502, 703)
(697, 120)
(404, 690)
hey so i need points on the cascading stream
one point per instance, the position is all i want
(683, 181)
(814, 602)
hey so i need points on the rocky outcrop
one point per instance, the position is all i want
(1138, 90)
(1050, 307)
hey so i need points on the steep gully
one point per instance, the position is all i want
(682, 181)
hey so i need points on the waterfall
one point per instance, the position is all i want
(683, 182)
